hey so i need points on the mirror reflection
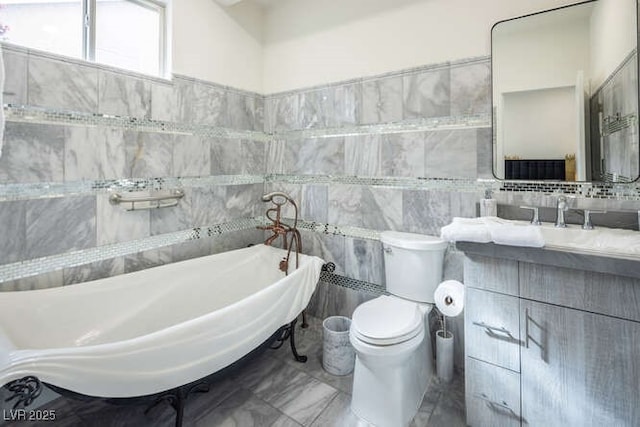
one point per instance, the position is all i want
(565, 94)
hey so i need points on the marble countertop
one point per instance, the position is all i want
(601, 263)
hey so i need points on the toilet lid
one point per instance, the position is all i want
(387, 320)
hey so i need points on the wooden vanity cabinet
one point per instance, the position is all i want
(547, 345)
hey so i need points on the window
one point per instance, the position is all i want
(129, 34)
(53, 26)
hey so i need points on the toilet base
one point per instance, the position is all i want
(387, 391)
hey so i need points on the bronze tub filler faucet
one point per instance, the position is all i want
(289, 234)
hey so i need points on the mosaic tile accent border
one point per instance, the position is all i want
(358, 285)
(335, 230)
(596, 190)
(36, 266)
(599, 190)
(38, 115)
(588, 190)
(28, 191)
(459, 184)
(591, 190)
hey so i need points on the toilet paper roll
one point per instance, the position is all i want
(449, 297)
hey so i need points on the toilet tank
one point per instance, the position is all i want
(413, 264)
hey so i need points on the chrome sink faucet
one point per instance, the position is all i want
(561, 208)
(587, 224)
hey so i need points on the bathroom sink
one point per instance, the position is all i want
(601, 241)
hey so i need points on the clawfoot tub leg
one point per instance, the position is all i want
(24, 391)
(304, 319)
(177, 398)
(288, 333)
(292, 341)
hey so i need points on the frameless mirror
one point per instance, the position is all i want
(565, 94)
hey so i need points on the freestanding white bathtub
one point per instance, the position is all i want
(153, 330)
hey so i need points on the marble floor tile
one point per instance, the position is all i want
(285, 421)
(295, 393)
(260, 368)
(241, 409)
(100, 414)
(309, 343)
(199, 403)
(429, 402)
(450, 409)
(271, 390)
(339, 414)
(314, 368)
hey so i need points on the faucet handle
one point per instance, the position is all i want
(562, 203)
(587, 225)
(536, 219)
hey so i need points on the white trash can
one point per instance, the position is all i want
(338, 356)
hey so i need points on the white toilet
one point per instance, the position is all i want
(390, 334)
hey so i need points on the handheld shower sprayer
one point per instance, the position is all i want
(270, 196)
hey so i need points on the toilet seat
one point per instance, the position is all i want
(387, 320)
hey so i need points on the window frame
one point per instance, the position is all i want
(89, 31)
(88, 21)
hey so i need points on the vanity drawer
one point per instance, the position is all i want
(492, 395)
(492, 328)
(494, 274)
(600, 293)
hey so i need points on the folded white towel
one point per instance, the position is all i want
(514, 234)
(466, 230)
(492, 229)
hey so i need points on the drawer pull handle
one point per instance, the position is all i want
(500, 408)
(501, 333)
(541, 343)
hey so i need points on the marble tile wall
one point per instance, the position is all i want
(442, 91)
(456, 89)
(44, 153)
